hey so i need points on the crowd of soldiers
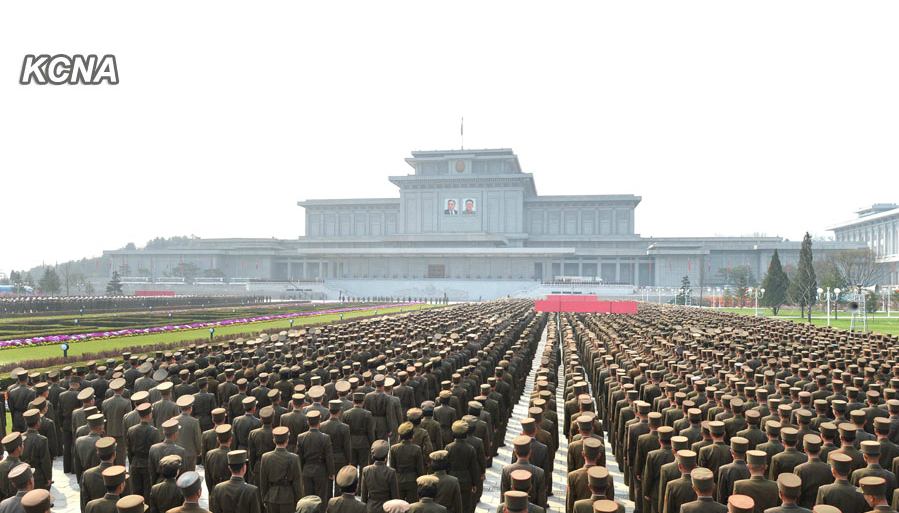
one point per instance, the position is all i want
(707, 412)
(391, 414)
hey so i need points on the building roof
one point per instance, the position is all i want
(882, 213)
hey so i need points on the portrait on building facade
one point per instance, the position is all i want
(451, 208)
(468, 206)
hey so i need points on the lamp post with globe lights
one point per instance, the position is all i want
(756, 294)
(836, 293)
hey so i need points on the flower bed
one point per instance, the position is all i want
(85, 337)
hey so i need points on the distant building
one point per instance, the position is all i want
(877, 227)
(470, 224)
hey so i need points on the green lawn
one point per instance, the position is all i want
(77, 349)
(876, 322)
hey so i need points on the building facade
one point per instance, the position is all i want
(877, 227)
(470, 218)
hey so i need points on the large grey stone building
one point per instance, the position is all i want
(470, 224)
(877, 227)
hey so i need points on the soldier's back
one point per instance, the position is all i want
(346, 503)
(703, 505)
(842, 495)
(763, 492)
(164, 496)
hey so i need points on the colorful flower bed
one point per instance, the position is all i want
(84, 337)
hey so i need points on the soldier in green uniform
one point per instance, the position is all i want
(113, 479)
(131, 504)
(463, 463)
(339, 433)
(36, 450)
(85, 452)
(260, 441)
(522, 448)
(295, 420)
(92, 483)
(140, 439)
(789, 487)
(734, 471)
(378, 483)
(521, 482)
(704, 486)
(874, 491)
(165, 494)
(652, 470)
(209, 440)
(316, 458)
(427, 490)
(790, 458)
(246, 423)
(215, 464)
(68, 402)
(870, 449)
(449, 494)
(346, 502)
(716, 454)
(21, 481)
(36, 501)
(435, 433)
(362, 431)
(578, 480)
(841, 493)
(189, 434)
(680, 491)
(407, 459)
(235, 495)
(740, 504)
(164, 448)
(848, 447)
(598, 482)
(814, 473)
(280, 479)
(420, 436)
(114, 409)
(762, 490)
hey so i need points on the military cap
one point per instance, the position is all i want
(171, 426)
(114, 475)
(665, 433)
(335, 405)
(695, 414)
(840, 462)
(346, 476)
(219, 414)
(31, 416)
(358, 396)
(189, 483)
(185, 401)
(598, 477)
(703, 479)
(460, 428)
(739, 444)
(825, 508)
(117, 384)
(38, 402)
(237, 457)
(281, 434)
(686, 458)
(740, 504)
(140, 397)
(142, 407)
(36, 501)
(413, 414)
(131, 504)
(772, 427)
(380, 448)
(445, 394)
(520, 441)
(316, 392)
(789, 484)
(105, 446)
(438, 455)
(391, 506)
(248, 402)
(812, 442)
(309, 504)
(313, 415)
(268, 413)
(95, 420)
(378, 378)
(870, 448)
(716, 427)
(756, 457)
(20, 474)
(789, 434)
(847, 430)
(605, 506)
(145, 367)
(591, 447)
(405, 428)
(86, 394)
(516, 500)
(643, 407)
(165, 386)
(872, 485)
(858, 416)
(679, 442)
(528, 425)
(427, 480)
(828, 429)
(172, 460)
(222, 429)
(655, 419)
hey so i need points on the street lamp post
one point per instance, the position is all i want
(211, 331)
(836, 292)
(757, 293)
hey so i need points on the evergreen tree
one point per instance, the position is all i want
(775, 285)
(49, 282)
(114, 287)
(804, 288)
(682, 295)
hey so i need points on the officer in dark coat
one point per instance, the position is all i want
(215, 465)
(85, 452)
(449, 493)
(407, 459)
(114, 410)
(814, 473)
(789, 487)
(165, 495)
(680, 491)
(114, 484)
(734, 471)
(21, 481)
(235, 495)
(653, 467)
(140, 439)
(68, 403)
(164, 448)
(716, 454)
(762, 491)
(36, 450)
(463, 463)
(280, 479)
(316, 458)
(522, 448)
(841, 494)
(704, 485)
(339, 433)
(378, 483)
(598, 483)
(362, 431)
(204, 403)
(874, 489)
(189, 433)
(295, 421)
(245, 423)
(18, 399)
(259, 442)
(346, 502)
(871, 451)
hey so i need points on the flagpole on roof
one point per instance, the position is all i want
(462, 133)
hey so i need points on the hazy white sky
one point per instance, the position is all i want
(726, 117)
